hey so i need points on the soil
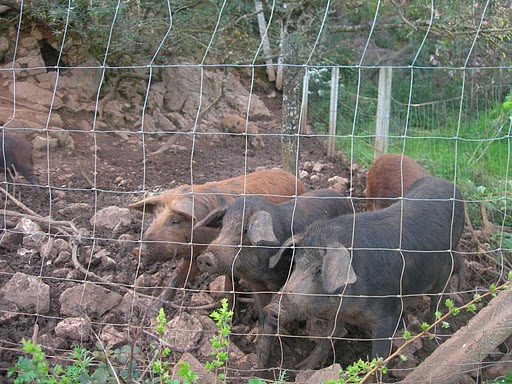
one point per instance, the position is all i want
(104, 169)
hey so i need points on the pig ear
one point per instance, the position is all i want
(184, 207)
(287, 245)
(337, 270)
(261, 229)
(213, 219)
(149, 204)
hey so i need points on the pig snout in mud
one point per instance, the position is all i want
(207, 262)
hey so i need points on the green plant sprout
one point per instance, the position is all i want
(220, 340)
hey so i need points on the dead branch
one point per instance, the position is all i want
(466, 349)
(113, 89)
(164, 148)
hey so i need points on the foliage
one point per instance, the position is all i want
(37, 369)
(503, 380)
(220, 340)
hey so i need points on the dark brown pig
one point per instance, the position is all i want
(17, 155)
(389, 178)
(170, 234)
(252, 231)
(357, 268)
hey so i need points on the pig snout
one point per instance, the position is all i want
(274, 313)
(137, 251)
(207, 262)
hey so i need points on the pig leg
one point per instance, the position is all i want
(320, 353)
(382, 320)
(187, 268)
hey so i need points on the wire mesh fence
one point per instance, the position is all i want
(131, 129)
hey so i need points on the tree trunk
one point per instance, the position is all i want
(264, 36)
(292, 84)
(466, 349)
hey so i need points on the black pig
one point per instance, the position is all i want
(253, 228)
(17, 155)
(368, 261)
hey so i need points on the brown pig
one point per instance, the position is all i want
(170, 234)
(16, 155)
(385, 178)
(237, 124)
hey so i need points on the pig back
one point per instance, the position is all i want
(420, 231)
(387, 176)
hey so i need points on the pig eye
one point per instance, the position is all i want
(173, 221)
(318, 270)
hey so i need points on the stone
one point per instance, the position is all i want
(82, 81)
(35, 94)
(29, 293)
(303, 174)
(112, 337)
(195, 366)
(320, 376)
(317, 168)
(111, 218)
(184, 332)
(89, 298)
(74, 328)
(41, 144)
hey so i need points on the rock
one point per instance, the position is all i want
(195, 366)
(315, 179)
(320, 376)
(76, 209)
(9, 313)
(163, 123)
(41, 144)
(89, 298)
(184, 332)
(74, 328)
(51, 342)
(218, 288)
(82, 81)
(28, 227)
(177, 120)
(33, 93)
(308, 166)
(30, 294)
(63, 137)
(303, 174)
(147, 124)
(112, 337)
(205, 348)
(129, 307)
(111, 218)
(317, 168)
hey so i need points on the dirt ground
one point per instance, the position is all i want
(104, 170)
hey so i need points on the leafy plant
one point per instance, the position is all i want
(220, 340)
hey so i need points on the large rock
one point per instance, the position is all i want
(83, 81)
(184, 332)
(74, 328)
(35, 94)
(195, 366)
(89, 298)
(111, 218)
(29, 293)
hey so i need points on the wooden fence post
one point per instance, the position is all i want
(331, 147)
(383, 112)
